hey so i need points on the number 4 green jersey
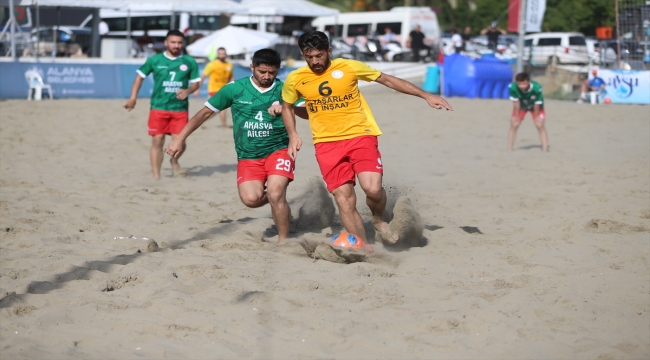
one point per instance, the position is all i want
(257, 133)
(169, 76)
(529, 98)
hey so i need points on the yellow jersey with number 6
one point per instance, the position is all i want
(337, 110)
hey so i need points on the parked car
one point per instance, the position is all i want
(605, 55)
(69, 40)
(559, 48)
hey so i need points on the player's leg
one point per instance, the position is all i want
(339, 177)
(252, 193)
(584, 88)
(158, 125)
(251, 177)
(276, 194)
(279, 169)
(365, 159)
(346, 201)
(156, 154)
(371, 183)
(177, 122)
(543, 136)
(514, 125)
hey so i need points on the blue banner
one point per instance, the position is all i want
(84, 80)
(625, 86)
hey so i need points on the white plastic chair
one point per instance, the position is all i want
(36, 84)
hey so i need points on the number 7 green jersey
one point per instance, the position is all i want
(169, 76)
(257, 134)
(527, 99)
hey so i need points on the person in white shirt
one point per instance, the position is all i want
(103, 27)
(456, 40)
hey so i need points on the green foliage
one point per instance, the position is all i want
(561, 15)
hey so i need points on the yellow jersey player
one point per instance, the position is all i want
(219, 73)
(343, 127)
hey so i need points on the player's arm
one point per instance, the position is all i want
(515, 110)
(301, 111)
(182, 94)
(289, 120)
(142, 73)
(176, 145)
(536, 111)
(406, 87)
(539, 101)
(198, 90)
(289, 97)
(194, 82)
(135, 88)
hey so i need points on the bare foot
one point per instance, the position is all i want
(383, 231)
(282, 242)
(367, 248)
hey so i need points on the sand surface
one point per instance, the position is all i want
(525, 255)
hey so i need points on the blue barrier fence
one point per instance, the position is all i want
(87, 80)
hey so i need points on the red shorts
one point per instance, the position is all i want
(278, 163)
(522, 114)
(167, 122)
(340, 161)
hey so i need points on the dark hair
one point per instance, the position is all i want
(221, 48)
(268, 57)
(522, 77)
(174, 33)
(313, 40)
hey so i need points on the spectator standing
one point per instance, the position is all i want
(416, 39)
(493, 32)
(456, 41)
(466, 35)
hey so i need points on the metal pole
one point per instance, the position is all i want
(55, 33)
(38, 32)
(128, 27)
(12, 29)
(522, 33)
(96, 43)
(618, 39)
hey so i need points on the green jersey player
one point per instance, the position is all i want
(526, 97)
(260, 137)
(175, 77)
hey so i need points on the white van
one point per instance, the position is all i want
(158, 24)
(400, 19)
(556, 47)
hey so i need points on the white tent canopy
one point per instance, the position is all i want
(202, 6)
(106, 4)
(191, 6)
(286, 8)
(236, 40)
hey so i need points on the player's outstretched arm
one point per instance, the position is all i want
(176, 146)
(289, 121)
(406, 87)
(135, 88)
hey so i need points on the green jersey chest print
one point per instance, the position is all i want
(169, 76)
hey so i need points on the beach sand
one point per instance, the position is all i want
(524, 254)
